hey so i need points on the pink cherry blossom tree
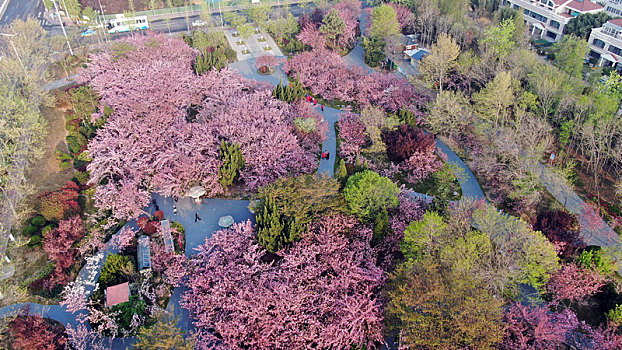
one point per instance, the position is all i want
(269, 61)
(167, 125)
(321, 293)
(352, 133)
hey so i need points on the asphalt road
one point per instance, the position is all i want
(22, 9)
(173, 25)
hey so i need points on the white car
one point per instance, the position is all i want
(199, 23)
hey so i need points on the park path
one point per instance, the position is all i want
(594, 229)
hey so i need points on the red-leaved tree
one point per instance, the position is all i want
(34, 332)
(531, 327)
(321, 293)
(574, 283)
(562, 229)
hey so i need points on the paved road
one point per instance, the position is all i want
(21, 9)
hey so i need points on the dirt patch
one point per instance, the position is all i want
(45, 175)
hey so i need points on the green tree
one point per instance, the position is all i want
(570, 52)
(367, 192)
(581, 26)
(494, 101)
(116, 270)
(164, 334)
(73, 8)
(374, 51)
(342, 171)
(234, 19)
(383, 22)
(245, 30)
(498, 38)
(507, 12)
(232, 162)
(381, 225)
(435, 309)
(440, 61)
(422, 238)
(259, 14)
(332, 27)
(450, 114)
(287, 206)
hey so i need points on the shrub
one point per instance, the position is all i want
(367, 192)
(615, 315)
(34, 240)
(38, 221)
(57, 205)
(596, 259)
(46, 229)
(30, 230)
(159, 215)
(64, 165)
(116, 270)
(125, 311)
(81, 177)
(76, 143)
(289, 93)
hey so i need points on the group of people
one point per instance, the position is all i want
(314, 101)
(325, 155)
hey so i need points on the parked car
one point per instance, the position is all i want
(199, 23)
(88, 32)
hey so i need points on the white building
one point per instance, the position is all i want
(547, 18)
(613, 7)
(605, 44)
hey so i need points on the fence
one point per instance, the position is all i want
(212, 6)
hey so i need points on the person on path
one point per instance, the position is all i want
(175, 198)
(323, 154)
(315, 101)
(196, 217)
(307, 97)
(327, 155)
(322, 108)
(174, 210)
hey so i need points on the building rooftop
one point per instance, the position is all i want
(584, 5)
(417, 54)
(117, 294)
(616, 21)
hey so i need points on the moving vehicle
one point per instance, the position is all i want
(122, 24)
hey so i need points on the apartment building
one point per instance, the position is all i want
(546, 19)
(612, 7)
(605, 44)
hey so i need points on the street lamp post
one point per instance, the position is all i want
(62, 27)
(15, 49)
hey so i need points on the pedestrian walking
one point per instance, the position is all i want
(175, 198)
(323, 154)
(174, 210)
(322, 108)
(157, 207)
(307, 97)
(196, 217)
(315, 101)
(327, 155)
